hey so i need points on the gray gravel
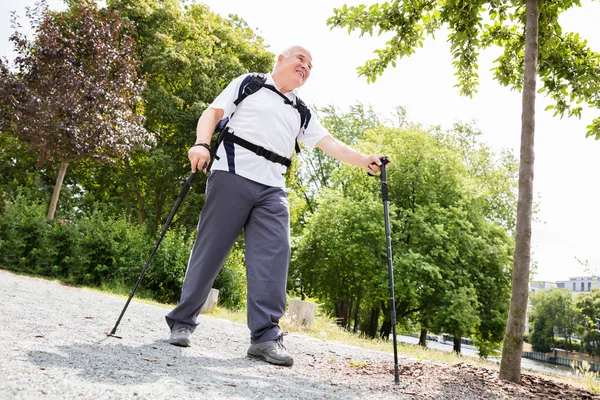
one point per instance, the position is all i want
(53, 346)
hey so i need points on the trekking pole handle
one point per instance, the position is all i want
(384, 160)
(383, 178)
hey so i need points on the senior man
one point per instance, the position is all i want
(246, 190)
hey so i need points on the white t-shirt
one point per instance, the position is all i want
(265, 120)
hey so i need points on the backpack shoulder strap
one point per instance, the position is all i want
(304, 118)
(304, 113)
(250, 85)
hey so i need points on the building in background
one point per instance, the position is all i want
(579, 284)
(534, 286)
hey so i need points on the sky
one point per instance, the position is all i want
(565, 232)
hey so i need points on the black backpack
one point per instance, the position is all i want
(250, 85)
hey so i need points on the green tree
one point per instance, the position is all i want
(588, 305)
(17, 170)
(534, 46)
(494, 186)
(189, 54)
(337, 257)
(75, 88)
(552, 314)
(439, 238)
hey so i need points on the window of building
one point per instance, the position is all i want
(574, 287)
(589, 286)
(582, 286)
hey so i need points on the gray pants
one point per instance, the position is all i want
(234, 203)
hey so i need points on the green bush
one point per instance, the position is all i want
(565, 345)
(108, 249)
(25, 237)
(101, 251)
(166, 273)
(541, 337)
(231, 280)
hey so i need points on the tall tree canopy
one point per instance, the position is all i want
(189, 54)
(534, 46)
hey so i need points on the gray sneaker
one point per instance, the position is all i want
(181, 337)
(273, 352)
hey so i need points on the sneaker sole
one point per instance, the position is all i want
(180, 343)
(271, 360)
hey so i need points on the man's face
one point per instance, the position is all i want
(297, 65)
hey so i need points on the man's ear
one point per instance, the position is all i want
(280, 58)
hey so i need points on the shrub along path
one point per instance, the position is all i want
(53, 346)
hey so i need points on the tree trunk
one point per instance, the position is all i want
(374, 323)
(423, 338)
(456, 347)
(386, 329)
(127, 202)
(57, 187)
(510, 366)
(342, 313)
(136, 192)
(160, 202)
(350, 313)
(356, 312)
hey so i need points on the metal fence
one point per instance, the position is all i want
(559, 361)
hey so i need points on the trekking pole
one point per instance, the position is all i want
(384, 197)
(182, 194)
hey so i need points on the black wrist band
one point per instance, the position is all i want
(206, 146)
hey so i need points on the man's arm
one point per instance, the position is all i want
(340, 151)
(200, 156)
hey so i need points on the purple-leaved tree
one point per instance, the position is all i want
(73, 91)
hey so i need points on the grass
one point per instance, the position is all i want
(589, 377)
(121, 290)
(325, 328)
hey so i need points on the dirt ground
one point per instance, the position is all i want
(461, 381)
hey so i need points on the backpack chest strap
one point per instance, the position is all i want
(258, 150)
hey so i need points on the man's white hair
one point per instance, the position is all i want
(287, 51)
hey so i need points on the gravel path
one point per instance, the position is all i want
(53, 346)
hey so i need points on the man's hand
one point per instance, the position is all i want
(199, 155)
(199, 158)
(373, 163)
